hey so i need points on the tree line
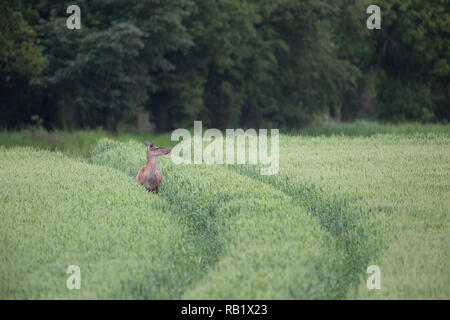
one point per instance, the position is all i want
(229, 63)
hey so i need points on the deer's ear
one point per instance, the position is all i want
(151, 145)
(146, 143)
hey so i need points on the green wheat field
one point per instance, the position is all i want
(345, 197)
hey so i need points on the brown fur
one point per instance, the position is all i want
(149, 175)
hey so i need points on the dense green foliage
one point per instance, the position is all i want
(20, 60)
(337, 205)
(255, 63)
(415, 59)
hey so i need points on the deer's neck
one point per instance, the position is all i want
(151, 162)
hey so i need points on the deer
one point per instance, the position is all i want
(149, 175)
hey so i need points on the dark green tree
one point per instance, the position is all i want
(413, 51)
(21, 60)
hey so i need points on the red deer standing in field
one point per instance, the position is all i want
(149, 175)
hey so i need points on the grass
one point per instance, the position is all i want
(394, 188)
(363, 128)
(79, 143)
(74, 144)
(237, 218)
(128, 244)
(76, 213)
(342, 200)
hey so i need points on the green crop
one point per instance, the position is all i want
(57, 212)
(337, 205)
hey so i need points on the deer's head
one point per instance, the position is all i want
(156, 151)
